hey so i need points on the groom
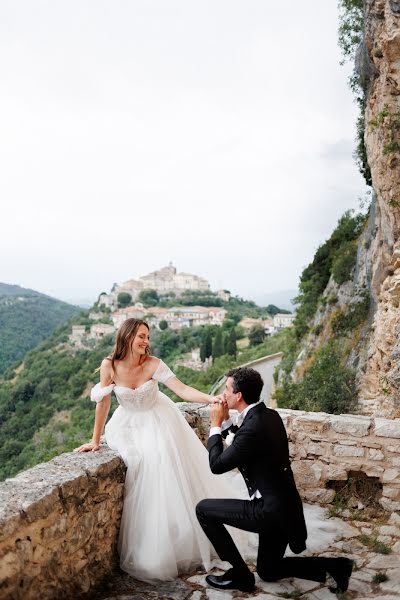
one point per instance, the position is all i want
(260, 451)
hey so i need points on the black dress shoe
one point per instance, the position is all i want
(231, 581)
(340, 569)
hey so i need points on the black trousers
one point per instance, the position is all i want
(250, 515)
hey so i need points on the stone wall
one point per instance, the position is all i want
(59, 520)
(325, 448)
(58, 526)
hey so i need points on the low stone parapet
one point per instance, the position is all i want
(58, 526)
(327, 448)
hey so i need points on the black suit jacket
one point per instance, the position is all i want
(260, 451)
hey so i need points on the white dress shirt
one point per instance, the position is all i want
(226, 424)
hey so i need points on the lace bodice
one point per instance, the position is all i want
(140, 398)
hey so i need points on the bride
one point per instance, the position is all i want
(167, 465)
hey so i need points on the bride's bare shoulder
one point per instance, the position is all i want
(106, 370)
(152, 363)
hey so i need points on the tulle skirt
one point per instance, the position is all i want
(167, 475)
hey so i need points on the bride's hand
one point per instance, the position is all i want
(90, 447)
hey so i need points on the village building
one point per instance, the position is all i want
(99, 330)
(281, 321)
(130, 312)
(225, 295)
(78, 332)
(186, 316)
(249, 322)
(165, 280)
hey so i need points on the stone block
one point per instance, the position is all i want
(391, 475)
(388, 561)
(372, 470)
(387, 428)
(389, 505)
(369, 444)
(348, 442)
(391, 492)
(340, 450)
(375, 454)
(394, 519)
(318, 449)
(336, 472)
(58, 528)
(351, 425)
(10, 565)
(311, 423)
(307, 473)
(320, 495)
(40, 502)
(394, 449)
(389, 530)
(76, 486)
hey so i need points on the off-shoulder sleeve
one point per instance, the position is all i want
(163, 372)
(97, 394)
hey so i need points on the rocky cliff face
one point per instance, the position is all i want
(379, 67)
(371, 344)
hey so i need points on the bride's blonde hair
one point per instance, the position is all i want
(125, 336)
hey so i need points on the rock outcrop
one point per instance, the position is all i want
(380, 73)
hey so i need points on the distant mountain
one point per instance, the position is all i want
(26, 318)
(7, 289)
(282, 298)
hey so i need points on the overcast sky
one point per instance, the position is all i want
(217, 134)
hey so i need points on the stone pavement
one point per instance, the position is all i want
(376, 575)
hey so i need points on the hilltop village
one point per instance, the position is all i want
(131, 299)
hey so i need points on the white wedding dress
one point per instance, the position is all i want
(167, 475)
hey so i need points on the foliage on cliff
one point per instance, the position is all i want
(315, 373)
(336, 257)
(26, 318)
(328, 385)
(350, 38)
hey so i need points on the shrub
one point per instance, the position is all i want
(328, 385)
(344, 262)
(124, 299)
(345, 321)
(256, 335)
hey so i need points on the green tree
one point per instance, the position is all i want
(217, 345)
(231, 348)
(271, 309)
(206, 344)
(149, 297)
(351, 30)
(163, 325)
(124, 299)
(256, 335)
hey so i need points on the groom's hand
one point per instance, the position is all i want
(217, 411)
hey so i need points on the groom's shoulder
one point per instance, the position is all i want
(272, 417)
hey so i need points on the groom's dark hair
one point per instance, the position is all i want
(248, 381)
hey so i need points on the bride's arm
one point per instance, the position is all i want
(102, 409)
(185, 392)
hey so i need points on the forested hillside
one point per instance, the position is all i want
(26, 318)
